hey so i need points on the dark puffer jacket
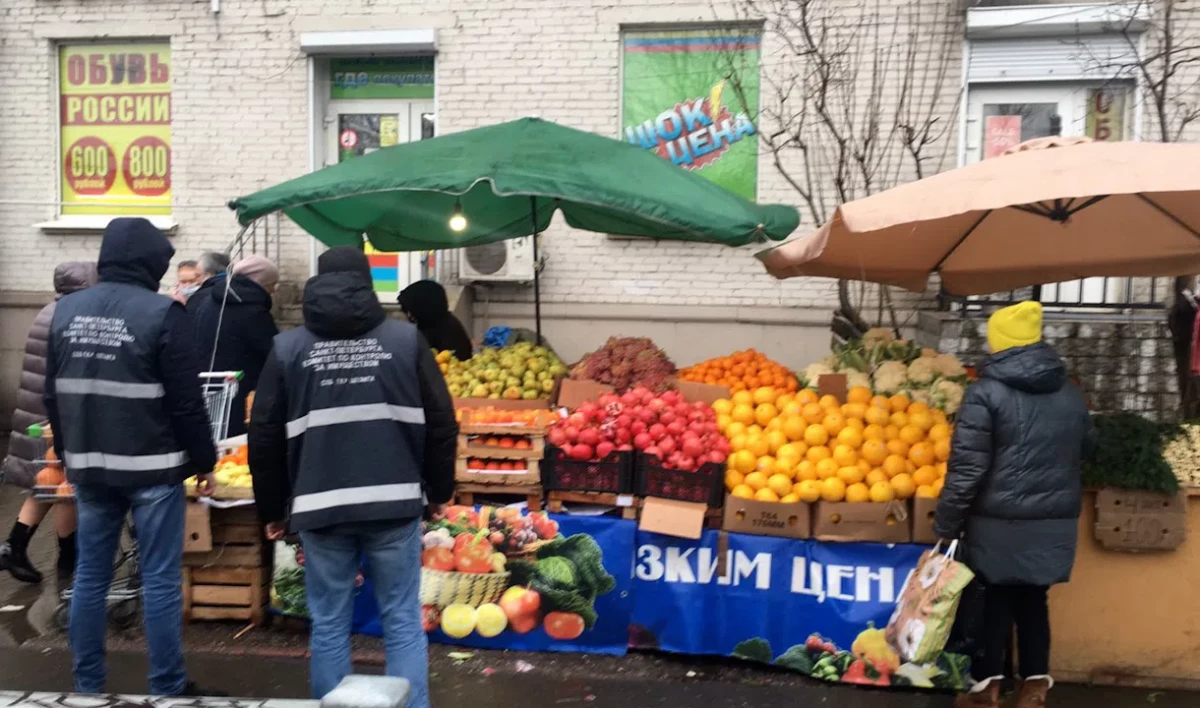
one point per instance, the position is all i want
(20, 467)
(1013, 484)
(247, 331)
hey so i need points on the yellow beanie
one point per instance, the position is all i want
(1015, 326)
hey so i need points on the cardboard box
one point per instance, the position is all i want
(1140, 521)
(197, 528)
(708, 393)
(844, 521)
(768, 518)
(673, 518)
(572, 393)
(833, 385)
(922, 520)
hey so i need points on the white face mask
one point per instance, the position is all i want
(189, 290)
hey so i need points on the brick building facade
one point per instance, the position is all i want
(250, 106)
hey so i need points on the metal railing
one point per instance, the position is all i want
(1088, 295)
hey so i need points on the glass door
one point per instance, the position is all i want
(1002, 116)
(357, 128)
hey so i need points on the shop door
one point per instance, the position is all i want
(999, 117)
(357, 128)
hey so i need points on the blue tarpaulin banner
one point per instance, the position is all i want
(780, 590)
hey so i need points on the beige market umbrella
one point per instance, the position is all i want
(1047, 211)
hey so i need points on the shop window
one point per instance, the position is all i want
(115, 128)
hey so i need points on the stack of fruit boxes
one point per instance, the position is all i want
(232, 581)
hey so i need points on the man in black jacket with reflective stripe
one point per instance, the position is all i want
(351, 435)
(124, 401)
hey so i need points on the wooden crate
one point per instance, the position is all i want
(530, 477)
(233, 580)
(625, 502)
(471, 448)
(465, 492)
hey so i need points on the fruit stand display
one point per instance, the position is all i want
(520, 372)
(499, 453)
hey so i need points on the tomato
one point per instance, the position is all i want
(563, 626)
(439, 558)
(523, 624)
(431, 617)
(474, 557)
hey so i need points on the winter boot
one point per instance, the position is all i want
(1032, 693)
(66, 560)
(986, 697)
(14, 556)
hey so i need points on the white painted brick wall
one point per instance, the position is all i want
(240, 124)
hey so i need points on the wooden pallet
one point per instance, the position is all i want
(465, 492)
(629, 509)
(233, 580)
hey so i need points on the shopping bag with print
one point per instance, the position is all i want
(925, 612)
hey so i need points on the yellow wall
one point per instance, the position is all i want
(1126, 616)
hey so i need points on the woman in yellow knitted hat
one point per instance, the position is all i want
(1013, 489)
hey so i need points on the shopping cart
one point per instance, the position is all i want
(124, 597)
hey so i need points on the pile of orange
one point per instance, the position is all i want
(803, 447)
(743, 371)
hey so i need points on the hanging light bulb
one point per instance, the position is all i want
(458, 222)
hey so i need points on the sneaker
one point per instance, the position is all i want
(191, 690)
(18, 564)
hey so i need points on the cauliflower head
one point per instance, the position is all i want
(921, 395)
(949, 366)
(890, 377)
(855, 379)
(922, 371)
(877, 336)
(926, 352)
(813, 372)
(948, 396)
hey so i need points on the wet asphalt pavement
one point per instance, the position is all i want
(269, 663)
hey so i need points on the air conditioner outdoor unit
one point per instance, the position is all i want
(505, 261)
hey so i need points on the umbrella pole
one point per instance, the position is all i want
(537, 285)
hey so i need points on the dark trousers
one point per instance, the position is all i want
(1004, 606)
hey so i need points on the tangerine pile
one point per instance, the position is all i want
(747, 370)
(793, 447)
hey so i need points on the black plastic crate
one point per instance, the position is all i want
(705, 485)
(612, 475)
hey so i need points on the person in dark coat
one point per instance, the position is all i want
(247, 327)
(214, 268)
(124, 400)
(1013, 488)
(352, 437)
(426, 305)
(25, 454)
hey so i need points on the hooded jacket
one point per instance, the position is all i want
(20, 467)
(425, 301)
(122, 387)
(1013, 483)
(352, 422)
(247, 329)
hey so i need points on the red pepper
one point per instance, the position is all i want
(864, 672)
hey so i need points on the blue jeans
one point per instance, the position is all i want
(331, 562)
(158, 517)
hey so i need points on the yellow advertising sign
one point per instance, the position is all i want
(115, 114)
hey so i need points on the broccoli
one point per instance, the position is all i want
(953, 670)
(756, 649)
(556, 570)
(796, 658)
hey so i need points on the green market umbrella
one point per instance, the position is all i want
(507, 181)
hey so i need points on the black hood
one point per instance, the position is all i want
(134, 251)
(1036, 368)
(426, 301)
(341, 305)
(242, 291)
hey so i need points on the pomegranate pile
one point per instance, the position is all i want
(681, 435)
